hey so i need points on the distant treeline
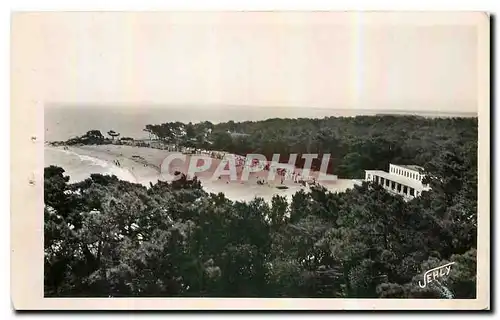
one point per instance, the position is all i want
(94, 137)
(354, 143)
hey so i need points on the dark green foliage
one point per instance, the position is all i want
(91, 137)
(354, 143)
(106, 237)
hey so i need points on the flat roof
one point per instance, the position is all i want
(399, 179)
(409, 166)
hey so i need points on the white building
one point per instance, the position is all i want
(405, 180)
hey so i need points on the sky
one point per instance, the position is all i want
(325, 60)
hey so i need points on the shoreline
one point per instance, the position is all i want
(144, 164)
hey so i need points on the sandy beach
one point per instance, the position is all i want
(145, 166)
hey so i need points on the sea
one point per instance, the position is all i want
(62, 122)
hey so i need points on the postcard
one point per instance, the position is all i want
(250, 160)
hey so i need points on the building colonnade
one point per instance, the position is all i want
(394, 186)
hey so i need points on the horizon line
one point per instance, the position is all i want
(130, 106)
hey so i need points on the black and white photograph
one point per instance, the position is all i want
(262, 155)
